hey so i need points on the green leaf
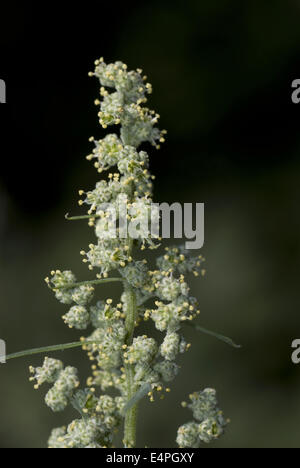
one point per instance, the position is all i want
(49, 349)
(219, 337)
(141, 393)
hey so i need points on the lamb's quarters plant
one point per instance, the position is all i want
(125, 363)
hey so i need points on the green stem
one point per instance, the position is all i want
(47, 349)
(78, 218)
(92, 282)
(130, 424)
(131, 414)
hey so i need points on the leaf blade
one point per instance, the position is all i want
(218, 336)
(139, 395)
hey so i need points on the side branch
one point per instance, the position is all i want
(87, 283)
(78, 218)
(47, 349)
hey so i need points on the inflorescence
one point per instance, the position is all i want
(122, 361)
(208, 424)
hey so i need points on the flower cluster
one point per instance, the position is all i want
(177, 259)
(121, 360)
(63, 284)
(124, 106)
(142, 350)
(108, 353)
(65, 382)
(208, 424)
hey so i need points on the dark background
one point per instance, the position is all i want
(222, 73)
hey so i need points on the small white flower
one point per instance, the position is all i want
(143, 349)
(170, 346)
(49, 372)
(188, 436)
(167, 370)
(59, 395)
(83, 294)
(77, 317)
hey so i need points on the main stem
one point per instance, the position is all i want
(131, 414)
(130, 424)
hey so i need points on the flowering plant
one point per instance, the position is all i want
(131, 365)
